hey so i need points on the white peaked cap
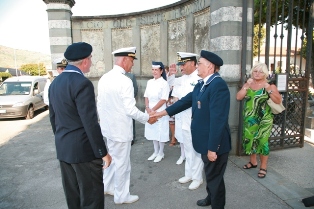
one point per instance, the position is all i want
(58, 60)
(125, 52)
(184, 57)
(187, 54)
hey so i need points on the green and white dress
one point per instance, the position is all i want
(258, 122)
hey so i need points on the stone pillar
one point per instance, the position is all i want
(226, 41)
(59, 23)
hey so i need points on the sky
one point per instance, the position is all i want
(24, 23)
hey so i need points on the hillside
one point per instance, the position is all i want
(22, 57)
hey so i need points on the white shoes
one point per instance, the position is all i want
(180, 161)
(152, 157)
(109, 192)
(159, 158)
(185, 179)
(195, 184)
(131, 199)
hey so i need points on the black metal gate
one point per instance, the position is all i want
(283, 34)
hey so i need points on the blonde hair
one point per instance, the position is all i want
(261, 66)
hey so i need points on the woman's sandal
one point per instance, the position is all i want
(251, 166)
(260, 174)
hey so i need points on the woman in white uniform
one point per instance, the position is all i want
(156, 96)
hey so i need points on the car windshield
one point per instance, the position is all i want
(15, 88)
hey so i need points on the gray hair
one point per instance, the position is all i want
(75, 63)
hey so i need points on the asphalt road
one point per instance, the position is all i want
(10, 127)
(30, 175)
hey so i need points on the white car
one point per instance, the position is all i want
(21, 96)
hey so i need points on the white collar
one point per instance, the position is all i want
(207, 77)
(120, 69)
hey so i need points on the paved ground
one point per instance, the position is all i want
(30, 176)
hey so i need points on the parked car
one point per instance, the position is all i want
(22, 96)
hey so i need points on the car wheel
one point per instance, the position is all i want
(30, 113)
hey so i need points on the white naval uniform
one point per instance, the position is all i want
(156, 90)
(193, 164)
(171, 80)
(116, 108)
(46, 99)
(176, 92)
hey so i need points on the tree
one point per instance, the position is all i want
(258, 38)
(280, 12)
(4, 75)
(34, 69)
(297, 12)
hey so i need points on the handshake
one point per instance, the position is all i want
(154, 116)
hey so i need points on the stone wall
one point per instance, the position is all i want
(158, 35)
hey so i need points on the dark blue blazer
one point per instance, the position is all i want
(73, 117)
(210, 112)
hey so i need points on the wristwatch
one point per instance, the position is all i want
(270, 92)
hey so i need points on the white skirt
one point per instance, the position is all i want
(158, 131)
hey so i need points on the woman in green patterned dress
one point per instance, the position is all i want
(258, 119)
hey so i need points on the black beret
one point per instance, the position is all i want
(213, 58)
(78, 51)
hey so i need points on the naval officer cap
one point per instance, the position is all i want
(184, 57)
(60, 62)
(212, 57)
(78, 51)
(125, 52)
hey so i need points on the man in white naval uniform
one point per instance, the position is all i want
(193, 163)
(61, 63)
(116, 108)
(176, 93)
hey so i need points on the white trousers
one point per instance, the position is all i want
(116, 177)
(193, 163)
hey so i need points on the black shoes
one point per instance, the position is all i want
(203, 202)
(308, 202)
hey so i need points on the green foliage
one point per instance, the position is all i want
(304, 45)
(34, 69)
(4, 75)
(258, 38)
(296, 12)
(280, 10)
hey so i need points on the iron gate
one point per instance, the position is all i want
(282, 36)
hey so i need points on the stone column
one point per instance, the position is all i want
(59, 23)
(226, 41)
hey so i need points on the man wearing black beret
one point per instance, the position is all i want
(80, 147)
(210, 102)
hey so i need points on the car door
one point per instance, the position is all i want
(37, 98)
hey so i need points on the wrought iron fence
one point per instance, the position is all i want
(283, 40)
